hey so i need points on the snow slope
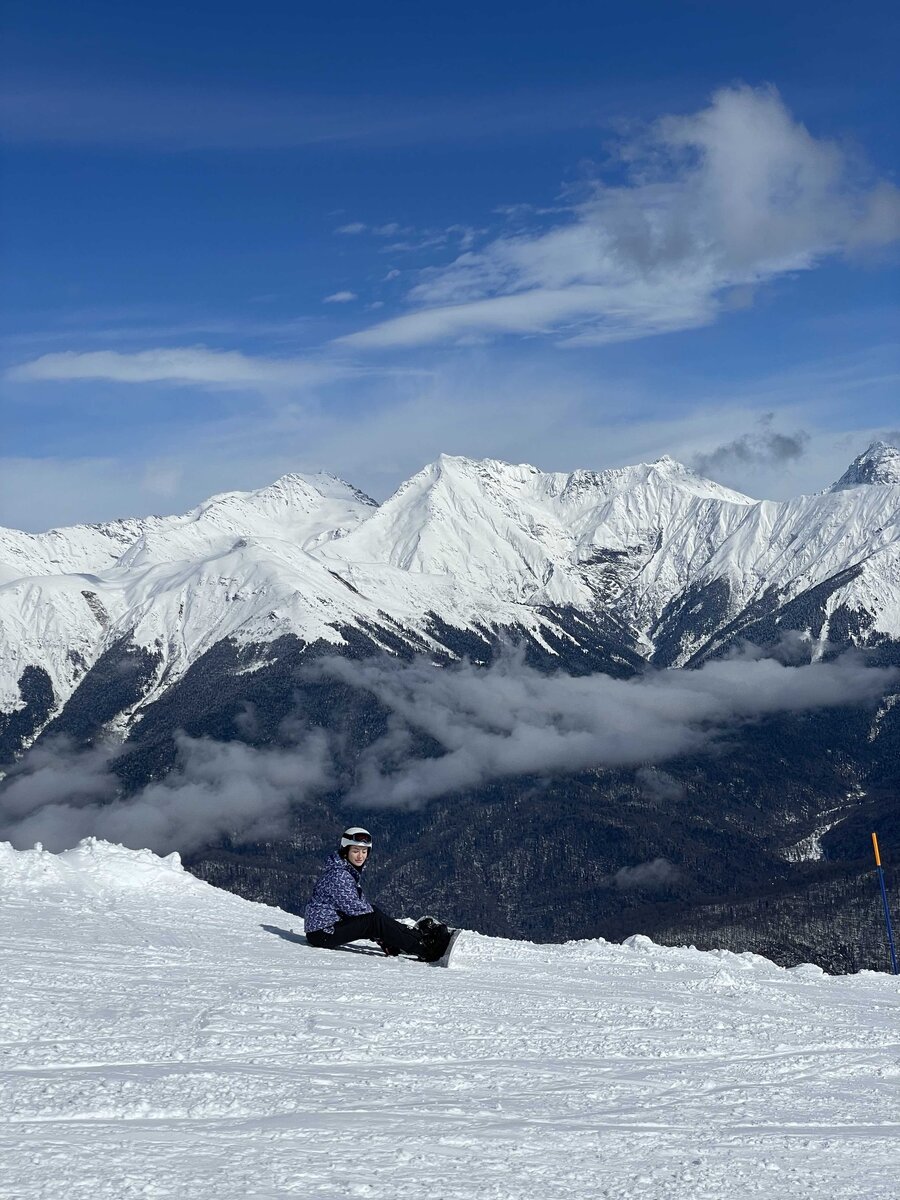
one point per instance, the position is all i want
(163, 1038)
(531, 536)
(240, 561)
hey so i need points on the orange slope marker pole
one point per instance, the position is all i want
(884, 900)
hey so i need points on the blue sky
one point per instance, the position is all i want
(349, 238)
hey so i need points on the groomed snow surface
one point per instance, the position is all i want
(163, 1038)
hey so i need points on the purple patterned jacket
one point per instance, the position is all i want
(338, 893)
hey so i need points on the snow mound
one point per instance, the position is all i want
(161, 1037)
(93, 863)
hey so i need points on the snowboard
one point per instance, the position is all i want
(444, 960)
(424, 923)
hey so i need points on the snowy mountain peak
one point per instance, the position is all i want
(293, 494)
(670, 468)
(485, 470)
(538, 537)
(491, 475)
(662, 474)
(480, 543)
(326, 484)
(880, 464)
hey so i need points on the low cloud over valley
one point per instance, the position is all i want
(483, 723)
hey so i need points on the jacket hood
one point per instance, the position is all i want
(335, 857)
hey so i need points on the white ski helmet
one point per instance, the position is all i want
(356, 836)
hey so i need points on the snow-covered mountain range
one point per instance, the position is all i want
(244, 621)
(649, 563)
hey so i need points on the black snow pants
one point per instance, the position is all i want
(375, 926)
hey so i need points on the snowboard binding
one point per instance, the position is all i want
(437, 939)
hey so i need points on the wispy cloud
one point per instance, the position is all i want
(763, 446)
(518, 407)
(509, 719)
(340, 298)
(413, 240)
(170, 118)
(659, 785)
(491, 723)
(650, 876)
(191, 365)
(86, 328)
(716, 203)
(58, 794)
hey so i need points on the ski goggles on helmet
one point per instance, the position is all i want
(356, 837)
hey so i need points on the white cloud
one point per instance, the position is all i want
(543, 311)
(502, 721)
(519, 408)
(509, 719)
(658, 785)
(352, 228)
(340, 298)
(188, 365)
(58, 794)
(763, 446)
(724, 199)
(652, 876)
(175, 118)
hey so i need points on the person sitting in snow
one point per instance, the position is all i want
(339, 912)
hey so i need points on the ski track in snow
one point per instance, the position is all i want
(162, 1038)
